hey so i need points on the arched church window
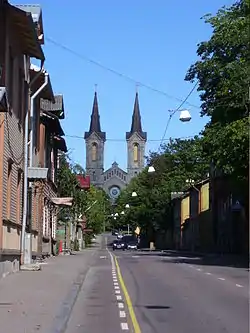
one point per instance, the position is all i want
(94, 151)
(136, 152)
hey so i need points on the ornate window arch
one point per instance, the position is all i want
(94, 149)
(136, 152)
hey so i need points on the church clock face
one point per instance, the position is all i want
(114, 192)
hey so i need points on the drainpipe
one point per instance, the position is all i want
(32, 102)
(25, 175)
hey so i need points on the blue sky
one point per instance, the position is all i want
(153, 42)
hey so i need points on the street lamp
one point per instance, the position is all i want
(134, 194)
(190, 181)
(185, 116)
(151, 169)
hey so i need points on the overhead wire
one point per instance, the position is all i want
(130, 79)
(124, 140)
(172, 113)
(115, 72)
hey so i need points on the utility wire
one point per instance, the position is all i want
(124, 140)
(122, 75)
(172, 113)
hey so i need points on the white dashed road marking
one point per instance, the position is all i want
(218, 278)
(124, 326)
(120, 304)
(122, 314)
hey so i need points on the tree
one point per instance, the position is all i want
(223, 73)
(223, 69)
(93, 203)
(179, 160)
(78, 169)
(98, 209)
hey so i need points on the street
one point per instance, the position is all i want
(166, 294)
(133, 291)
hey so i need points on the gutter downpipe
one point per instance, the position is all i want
(32, 102)
(24, 251)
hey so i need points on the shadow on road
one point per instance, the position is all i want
(237, 261)
(157, 307)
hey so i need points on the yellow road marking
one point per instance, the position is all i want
(128, 299)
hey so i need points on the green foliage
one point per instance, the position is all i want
(97, 215)
(223, 73)
(83, 201)
(179, 160)
(223, 70)
(88, 240)
(228, 147)
(76, 246)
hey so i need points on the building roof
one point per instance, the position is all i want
(24, 29)
(57, 107)
(136, 126)
(83, 181)
(36, 14)
(47, 93)
(115, 165)
(51, 120)
(60, 143)
(34, 10)
(95, 125)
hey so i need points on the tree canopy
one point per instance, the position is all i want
(92, 203)
(223, 68)
(223, 75)
(179, 160)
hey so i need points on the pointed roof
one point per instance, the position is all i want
(136, 126)
(95, 126)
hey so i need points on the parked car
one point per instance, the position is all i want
(132, 245)
(119, 236)
(119, 245)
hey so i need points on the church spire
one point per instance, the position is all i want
(136, 126)
(95, 126)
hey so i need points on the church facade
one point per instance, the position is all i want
(114, 179)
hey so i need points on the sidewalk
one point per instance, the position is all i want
(39, 301)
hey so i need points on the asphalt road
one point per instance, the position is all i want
(96, 309)
(145, 292)
(169, 295)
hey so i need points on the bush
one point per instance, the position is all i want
(88, 240)
(76, 245)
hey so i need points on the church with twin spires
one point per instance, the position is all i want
(113, 180)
